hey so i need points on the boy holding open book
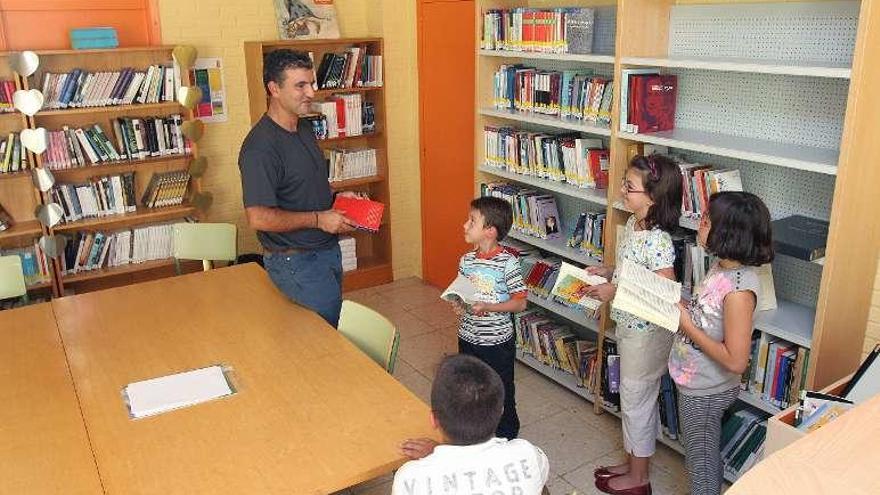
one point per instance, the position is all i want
(497, 290)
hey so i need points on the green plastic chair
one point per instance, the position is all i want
(371, 332)
(204, 241)
(11, 277)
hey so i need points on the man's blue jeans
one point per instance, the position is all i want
(310, 278)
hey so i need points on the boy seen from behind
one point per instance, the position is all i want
(467, 399)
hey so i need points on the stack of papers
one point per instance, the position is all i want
(158, 395)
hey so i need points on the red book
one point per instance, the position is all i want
(654, 102)
(364, 213)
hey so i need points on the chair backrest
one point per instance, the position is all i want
(204, 241)
(11, 277)
(371, 332)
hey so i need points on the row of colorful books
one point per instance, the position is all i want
(345, 164)
(86, 251)
(777, 370)
(588, 235)
(136, 139)
(34, 264)
(700, 182)
(7, 88)
(342, 116)
(534, 213)
(570, 158)
(13, 156)
(555, 345)
(101, 196)
(742, 441)
(166, 189)
(353, 68)
(81, 88)
(553, 30)
(571, 94)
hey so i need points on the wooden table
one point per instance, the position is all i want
(43, 442)
(312, 413)
(841, 457)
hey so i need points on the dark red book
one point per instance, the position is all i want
(653, 102)
(364, 213)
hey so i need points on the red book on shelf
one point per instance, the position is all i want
(654, 102)
(366, 214)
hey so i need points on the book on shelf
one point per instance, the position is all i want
(7, 88)
(668, 403)
(700, 182)
(343, 116)
(801, 237)
(777, 370)
(134, 138)
(34, 263)
(100, 196)
(351, 68)
(742, 441)
(572, 285)
(166, 189)
(534, 213)
(547, 30)
(88, 251)
(648, 296)
(588, 234)
(81, 89)
(569, 94)
(568, 157)
(461, 292)
(346, 164)
(366, 214)
(348, 250)
(652, 100)
(14, 157)
(626, 125)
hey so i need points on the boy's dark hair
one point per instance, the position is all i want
(741, 228)
(278, 61)
(662, 180)
(467, 399)
(496, 213)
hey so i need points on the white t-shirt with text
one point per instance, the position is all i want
(498, 466)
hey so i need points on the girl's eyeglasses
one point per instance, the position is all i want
(628, 188)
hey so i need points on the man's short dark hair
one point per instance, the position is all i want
(741, 228)
(467, 399)
(278, 61)
(496, 213)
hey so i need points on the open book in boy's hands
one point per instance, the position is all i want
(366, 214)
(646, 295)
(572, 284)
(461, 291)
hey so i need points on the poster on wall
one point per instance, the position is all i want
(207, 74)
(306, 19)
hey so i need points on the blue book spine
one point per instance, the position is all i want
(67, 89)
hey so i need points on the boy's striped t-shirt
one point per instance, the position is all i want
(497, 278)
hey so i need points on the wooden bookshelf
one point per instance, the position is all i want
(18, 196)
(832, 325)
(63, 61)
(373, 250)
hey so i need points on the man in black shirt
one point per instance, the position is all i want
(286, 192)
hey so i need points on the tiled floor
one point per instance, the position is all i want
(574, 438)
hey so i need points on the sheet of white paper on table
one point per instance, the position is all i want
(158, 395)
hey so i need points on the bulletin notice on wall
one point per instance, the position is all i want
(207, 74)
